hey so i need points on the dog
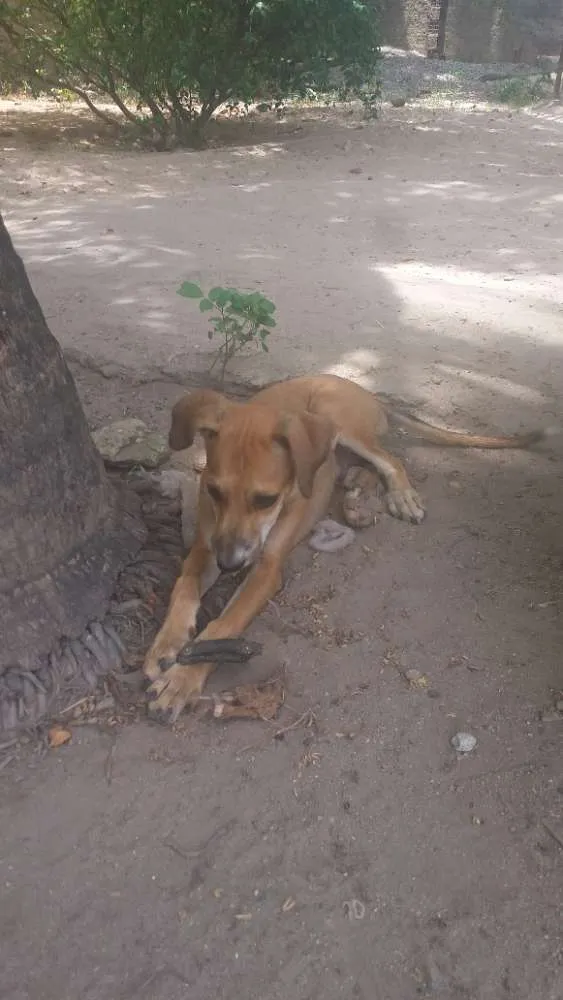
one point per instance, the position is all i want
(270, 473)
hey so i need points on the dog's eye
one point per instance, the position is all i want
(214, 492)
(264, 500)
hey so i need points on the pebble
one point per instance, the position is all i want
(464, 742)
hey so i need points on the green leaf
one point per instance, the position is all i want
(268, 306)
(205, 305)
(218, 295)
(189, 290)
(237, 300)
(269, 321)
(265, 347)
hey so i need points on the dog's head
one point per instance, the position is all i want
(257, 457)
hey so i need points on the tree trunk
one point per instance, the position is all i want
(442, 24)
(65, 533)
(558, 75)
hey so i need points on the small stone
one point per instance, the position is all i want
(454, 484)
(398, 102)
(416, 679)
(464, 742)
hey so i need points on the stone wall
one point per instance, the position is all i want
(479, 30)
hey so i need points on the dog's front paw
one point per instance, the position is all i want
(164, 651)
(172, 691)
(406, 505)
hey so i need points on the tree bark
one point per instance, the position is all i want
(442, 24)
(558, 75)
(65, 532)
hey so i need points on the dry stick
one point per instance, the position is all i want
(108, 764)
(552, 833)
(75, 704)
(308, 714)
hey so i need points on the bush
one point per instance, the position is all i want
(168, 65)
(520, 91)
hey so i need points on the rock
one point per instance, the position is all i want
(129, 442)
(416, 679)
(464, 742)
(398, 102)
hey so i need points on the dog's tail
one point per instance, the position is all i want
(457, 439)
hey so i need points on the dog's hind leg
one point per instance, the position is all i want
(402, 500)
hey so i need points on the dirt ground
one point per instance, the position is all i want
(354, 855)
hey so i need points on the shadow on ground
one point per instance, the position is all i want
(357, 856)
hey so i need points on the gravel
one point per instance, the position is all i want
(412, 75)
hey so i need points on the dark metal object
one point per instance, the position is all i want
(219, 651)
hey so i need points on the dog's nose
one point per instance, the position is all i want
(231, 558)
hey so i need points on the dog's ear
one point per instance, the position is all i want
(200, 411)
(308, 439)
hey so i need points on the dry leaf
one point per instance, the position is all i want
(57, 737)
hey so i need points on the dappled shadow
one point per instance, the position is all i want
(45, 123)
(420, 259)
(425, 261)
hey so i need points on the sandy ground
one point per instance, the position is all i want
(356, 856)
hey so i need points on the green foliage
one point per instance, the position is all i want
(180, 60)
(240, 318)
(519, 91)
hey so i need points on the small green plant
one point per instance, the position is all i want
(370, 96)
(520, 91)
(239, 318)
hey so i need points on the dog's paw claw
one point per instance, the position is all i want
(170, 693)
(406, 505)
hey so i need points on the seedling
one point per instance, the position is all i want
(239, 318)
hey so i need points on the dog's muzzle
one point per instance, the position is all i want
(233, 556)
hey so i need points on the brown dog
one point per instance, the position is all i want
(271, 469)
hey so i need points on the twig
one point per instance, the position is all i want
(308, 715)
(75, 704)
(552, 833)
(178, 850)
(108, 764)
(7, 760)
(8, 744)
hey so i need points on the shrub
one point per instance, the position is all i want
(520, 91)
(239, 318)
(169, 65)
